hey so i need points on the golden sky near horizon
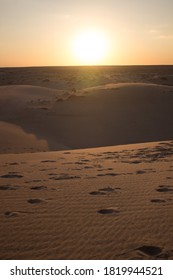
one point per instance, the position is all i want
(92, 32)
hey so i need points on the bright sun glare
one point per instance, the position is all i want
(90, 47)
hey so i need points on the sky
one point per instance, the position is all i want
(49, 32)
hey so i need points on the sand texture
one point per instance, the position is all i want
(86, 163)
(104, 203)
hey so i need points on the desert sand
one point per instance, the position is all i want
(86, 163)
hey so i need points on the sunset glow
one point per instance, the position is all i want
(57, 33)
(90, 47)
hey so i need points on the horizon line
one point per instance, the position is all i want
(104, 65)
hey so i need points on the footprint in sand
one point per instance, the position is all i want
(136, 162)
(104, 191)
(108, 211)
(88, 167)
(107, 174)
(157, 200)
(11, 176)
(80, 163)
(164, 188)
(65, 177)
(108, 189)
(11, 214)
(39, 188)
(7, 188)
(35, 200)
(150, 250)
(97, 193)
(140, 172)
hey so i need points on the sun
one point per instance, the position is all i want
(90, 47)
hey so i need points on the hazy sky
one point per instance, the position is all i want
(42, 32)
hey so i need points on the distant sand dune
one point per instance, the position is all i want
(105, 115)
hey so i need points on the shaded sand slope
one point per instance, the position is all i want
(102, 203)
(99, 116)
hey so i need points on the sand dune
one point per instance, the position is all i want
(98, 116)
(14, 139)
(107, 201)
(102, 203)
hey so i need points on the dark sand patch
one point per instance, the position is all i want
(35, 200)
(150, 250)
(108, 211)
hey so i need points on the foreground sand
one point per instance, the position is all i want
(102, 203)
(62, 197)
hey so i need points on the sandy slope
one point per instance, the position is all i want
(97, 203)
(104, 203)
(98, 116)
